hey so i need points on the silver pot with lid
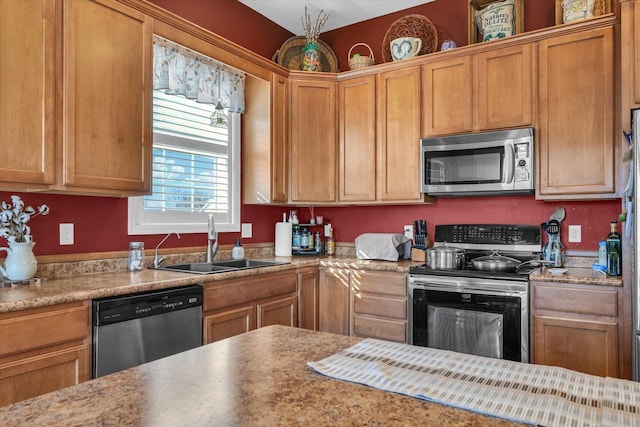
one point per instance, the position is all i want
(445, 258)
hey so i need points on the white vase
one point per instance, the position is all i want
(20, 263)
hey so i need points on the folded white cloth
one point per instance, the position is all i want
(383, 246)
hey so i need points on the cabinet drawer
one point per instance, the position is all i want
(573, 300)
(371, 327)
(376, 306)
(380, 283)
(31, 329)
(247, 290)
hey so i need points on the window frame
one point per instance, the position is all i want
(141, 222)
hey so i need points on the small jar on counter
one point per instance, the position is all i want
(136, 256)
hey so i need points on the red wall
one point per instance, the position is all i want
(101, 222)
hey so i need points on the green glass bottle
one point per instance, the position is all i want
(614, 251)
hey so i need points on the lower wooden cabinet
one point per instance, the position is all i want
(379, 305)
(366, 304)
(308, 304)
(43, 350)
(232, 307)
(576, 327)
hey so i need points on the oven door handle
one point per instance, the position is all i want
(504, 289)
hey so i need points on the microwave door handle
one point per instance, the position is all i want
(509, 166)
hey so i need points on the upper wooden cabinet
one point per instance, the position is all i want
(503, 87)
(485, 91)
(106, 83)
(636, 51)
(357, 127)
(265, 130)
(313, 140)
(575, 140)
(398, 121)
(27, 84)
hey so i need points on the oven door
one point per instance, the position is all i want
(474, 316)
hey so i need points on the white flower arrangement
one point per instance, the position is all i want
(13, 220)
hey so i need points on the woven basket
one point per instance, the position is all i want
(411, 26)
(361, 61)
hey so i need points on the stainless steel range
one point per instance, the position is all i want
(473, 310)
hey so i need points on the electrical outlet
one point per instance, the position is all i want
(575, 233)
(66, 234)
(408, 231)
(247, 231)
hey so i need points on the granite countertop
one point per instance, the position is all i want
(257, 378)
(90, 286)
(577, 276)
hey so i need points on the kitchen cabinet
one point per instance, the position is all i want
(333, 300)
(232, 307)
(308, 304)
(357, 152)
(398, 123)
(485, 91)
(575, 138)
(379, 129)
(43, 349)
(363, 303)
(106, 85)
(27, 83)
(265, 138)
(636, 50)
(313, 139)
(576, 327)
(379, 305)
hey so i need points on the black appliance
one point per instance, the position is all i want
(477, 312)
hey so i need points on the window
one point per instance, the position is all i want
(195, 166)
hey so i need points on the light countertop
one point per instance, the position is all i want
(257, 378)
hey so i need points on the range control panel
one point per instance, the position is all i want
(489, 234)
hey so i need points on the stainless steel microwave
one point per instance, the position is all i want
(486, 163)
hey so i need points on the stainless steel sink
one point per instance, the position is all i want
(219, 266)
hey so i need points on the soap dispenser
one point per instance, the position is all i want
(238, 251)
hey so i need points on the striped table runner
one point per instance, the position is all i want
(536, 394)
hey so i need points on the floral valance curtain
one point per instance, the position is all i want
(180, 71)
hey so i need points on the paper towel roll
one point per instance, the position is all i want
(283, 238)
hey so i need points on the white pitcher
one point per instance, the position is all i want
(20, 263)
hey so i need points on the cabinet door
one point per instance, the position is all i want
(283, 311)
(107, 97)
(228, 323)
(280, 139)
(582, 345)
(27, 84)
(503, 87)
(265, 141)
(308, 299)
(447, 103)
(334, 301)
(43, 373)
(398, 134)
(576, 107)
(313, 141)
(357, 170)
(636, 49)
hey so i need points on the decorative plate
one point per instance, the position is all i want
(290, 55)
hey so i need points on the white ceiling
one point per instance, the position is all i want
(288, 13)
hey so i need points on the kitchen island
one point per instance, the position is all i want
(257, 378)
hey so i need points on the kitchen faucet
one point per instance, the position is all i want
(157, 261)
(212, 240)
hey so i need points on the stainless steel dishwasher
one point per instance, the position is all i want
(137, 328)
